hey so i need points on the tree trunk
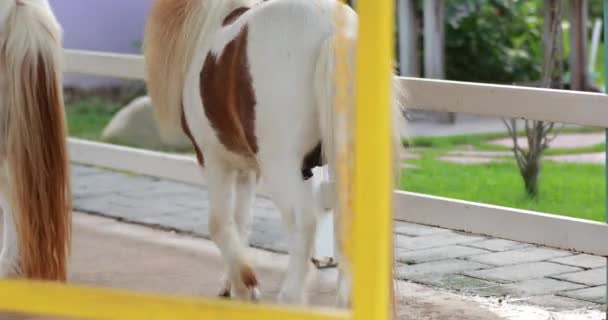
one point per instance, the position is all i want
(552, 46)
(530, 174)
(434, 45)
(409, 62)
(537, 132)
(578, 43)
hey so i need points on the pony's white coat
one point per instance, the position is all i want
(291, 59)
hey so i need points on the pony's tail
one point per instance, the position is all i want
(36, 140)
(170, 40)
(325, 92)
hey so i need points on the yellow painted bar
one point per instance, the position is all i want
(373, 165)
(109, 304)
(372, 254)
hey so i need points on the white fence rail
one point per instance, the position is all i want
(589, 109)
(125, 66)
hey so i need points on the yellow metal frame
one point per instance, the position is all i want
(372, 241)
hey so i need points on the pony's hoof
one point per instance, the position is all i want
(256, 295)
(248, 295)
(225, 294)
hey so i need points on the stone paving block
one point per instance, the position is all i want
(198, 201)
(81, 171)
(497, 245)
(433, 241)
(269, 234)
(594, 277)
(441, 253)
(93, 186)
(166, 189)
(594, 294)
(189, 202)
(521, 272)
(148, 207)
(495, 292)
(265, 202)
(582, 260)
(557, 303)
(451, 266)
(266, 208)
(416, 230)
(182, 221)
(455, 282)
(104, 205)
(518, 256)
(537, 287)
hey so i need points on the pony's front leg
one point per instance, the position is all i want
(9, 256)
(224, 232)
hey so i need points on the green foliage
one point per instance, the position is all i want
(494, 41)
(596, 9)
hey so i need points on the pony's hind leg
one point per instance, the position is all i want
(294, 197)
(224, 231)
(245, 194)
(344, 285)
(9, 256)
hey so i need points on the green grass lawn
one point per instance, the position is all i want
(566, 189)
(575, 190)
(88, 117)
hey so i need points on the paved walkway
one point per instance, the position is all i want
(107, 253)
(465, 263)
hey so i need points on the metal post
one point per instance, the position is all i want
(372, 202)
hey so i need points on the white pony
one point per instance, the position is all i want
(251, 83)
(34, 172)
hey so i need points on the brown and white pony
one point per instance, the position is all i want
(34, 172)
(251, 83)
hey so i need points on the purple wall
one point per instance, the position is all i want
(101, 25)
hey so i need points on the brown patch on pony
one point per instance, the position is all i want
(228, 97)
(249, 278)
(235, 14)
(199, 154)
(312, 160)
